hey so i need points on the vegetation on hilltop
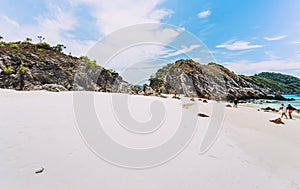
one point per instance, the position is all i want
(28, 66)
(276, 82)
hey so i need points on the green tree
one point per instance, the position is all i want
(43, 45)
(14, 45)
(88, 62)
(275, 81)
(28, 40)
(59, 47)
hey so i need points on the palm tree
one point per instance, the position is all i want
(41, 38)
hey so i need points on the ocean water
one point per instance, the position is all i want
(277, 103)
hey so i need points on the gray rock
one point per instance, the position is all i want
(48, 69)
(148, 91)
(210, 81)
(53, 88)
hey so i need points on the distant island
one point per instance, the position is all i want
(26, 66)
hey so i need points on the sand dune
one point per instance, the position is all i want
(39, 132)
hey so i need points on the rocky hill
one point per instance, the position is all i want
(210, 81)
(26, 66)
(276, 82)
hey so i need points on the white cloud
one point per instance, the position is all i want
(271, 55)
(295, 42)
(58, 24)
(134, 49)
(275, 38)
(9, 21)
(204, 14)
(206, 29)
(114, 15)
(58, 19)
(248, 67)
(55, 25)
(160, 14)
(238, 45)
(137, 63)
(184, 49)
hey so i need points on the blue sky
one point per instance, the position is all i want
(246, 36)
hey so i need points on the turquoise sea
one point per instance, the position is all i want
(277, 103)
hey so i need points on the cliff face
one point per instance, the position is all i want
(25, 66)
(211, 81)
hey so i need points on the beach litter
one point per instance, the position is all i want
(39, 171)
(202, 115)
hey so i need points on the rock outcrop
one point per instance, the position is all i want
(25, 66)
(210, 81)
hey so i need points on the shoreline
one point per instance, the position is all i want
(259, 106)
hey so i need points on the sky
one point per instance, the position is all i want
(248, 37)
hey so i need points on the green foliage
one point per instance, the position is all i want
(111, 71)
(43, 45)
(59, 47)
(156, 82)
(215, 64)
(275, 81)
(89, 63)
(7, 69)
(161, 73)
(27, 41)
(26, 64)
(282, 78)
(188, 66)
(21, 55)
(2, 44)
(23, 69)
(14, 45)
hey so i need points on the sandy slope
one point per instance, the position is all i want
(38, 129)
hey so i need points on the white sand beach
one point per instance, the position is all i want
(38, 130)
